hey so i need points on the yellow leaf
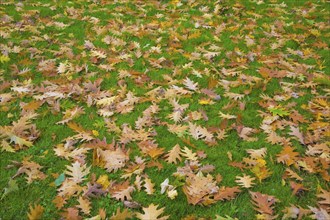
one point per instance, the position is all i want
(172, 193)
(4, 59)
(104, 181)
(20, 141)
(95, 133)
(205, 102)
(315, 32)
(6, 147)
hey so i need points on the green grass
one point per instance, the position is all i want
(177, 22)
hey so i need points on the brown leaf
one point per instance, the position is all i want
(32, 106)
(174, 155)
(191, 85)
(199, 132)
(122, 191)
(31, 169)
(263, 203)
(114, 159)
(132, 204)
(35, 212)
(295, 132)
(296, 117)
(227, 193)
(121, 215)
(151, 213)
(200, 190)
(291, 174)
(324, 199)
(71, 213)
(94, 190)
(149, 186)
(245, 132)
(287, 156)
(59, 202)
(84, 205)
(297, 188)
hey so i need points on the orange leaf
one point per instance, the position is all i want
(35, 212)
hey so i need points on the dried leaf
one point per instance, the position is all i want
(122, 191)
(245, 181)
(35, 212)
(84, 205)
(121, 215)
(174, 155)
(151, 213)
(263, 203)
(77, 171)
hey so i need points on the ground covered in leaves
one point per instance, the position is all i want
(164, 109)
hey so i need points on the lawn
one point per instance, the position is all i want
(164, 109)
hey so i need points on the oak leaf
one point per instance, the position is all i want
(35, 212)
(31, 169)
(200, 190)
(245, 181)
(69, 188)
(122, 191)
(319, 213)
(199, 132)
(59, 202)
(191, 85)
(287, 156)
(295, 132)
(84, 205)
(77, 172)
(94, 190)
(152, 213)
(227, 193)
(324, 199)
(263, 203)
(174, 155)
(187, 153)
(297, 188)
(257, 153)
(114, 159)
(291, 174)
(149, 186)
(71, 213)
(121, 215)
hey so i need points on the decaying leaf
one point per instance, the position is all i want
(35, 212)
(200, 190)
(180, 104)
(84, 205)
(31, 169)
(287, 156)
(77, 171)
(121, 215)
(227, 193)
(151, 212)
(245, 181)
(122, 191)
(174, 155)
(263, 203)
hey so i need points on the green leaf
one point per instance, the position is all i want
(12, 187)
(60, 179)
(278, 111)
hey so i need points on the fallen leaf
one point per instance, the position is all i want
(151, 212)
(36, 212)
